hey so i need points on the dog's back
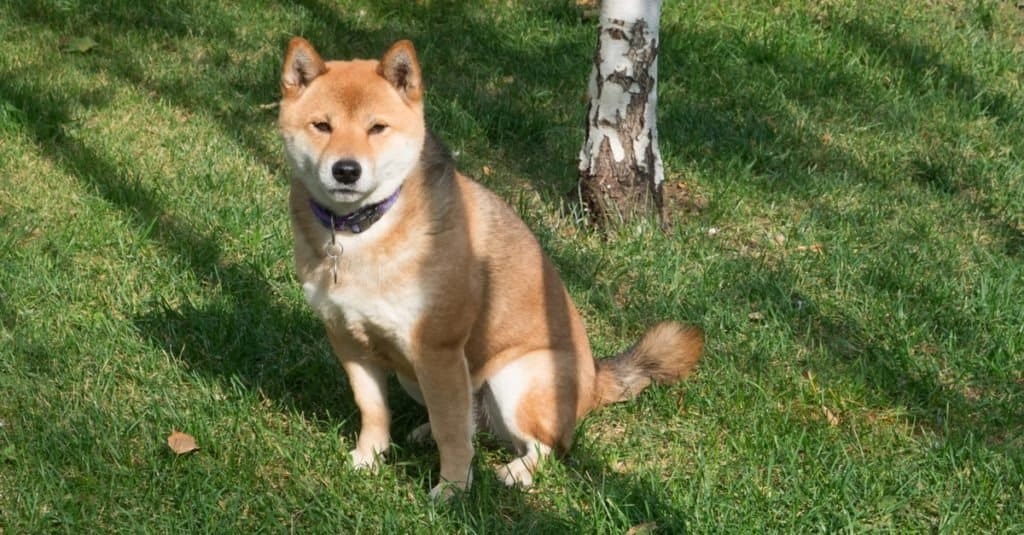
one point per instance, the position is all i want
(431, 275)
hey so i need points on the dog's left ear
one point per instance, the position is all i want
(400, 67)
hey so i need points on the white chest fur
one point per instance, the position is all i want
(392, 310)
(370, 295)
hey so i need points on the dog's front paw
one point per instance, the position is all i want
(446, 489)
(362, 460)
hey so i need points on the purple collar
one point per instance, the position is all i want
(357, 221)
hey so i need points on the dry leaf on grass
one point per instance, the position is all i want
(833, 420)
(816, 248)
(755, 316)
(181, 443)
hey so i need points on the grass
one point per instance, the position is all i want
(859, 270)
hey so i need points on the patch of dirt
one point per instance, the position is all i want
(680, 202)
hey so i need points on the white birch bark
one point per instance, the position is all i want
(621, 117)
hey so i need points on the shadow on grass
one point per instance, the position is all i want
(841, 343)
(595, 498)
(730, 115)
(247, 332)
(734, 120)
(241, 333)
(926, 70)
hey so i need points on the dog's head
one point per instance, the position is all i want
(353, 130)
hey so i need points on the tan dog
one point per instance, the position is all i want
(417, 269)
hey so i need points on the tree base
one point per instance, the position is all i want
(604, 206)
(619, 192)
(609, 202)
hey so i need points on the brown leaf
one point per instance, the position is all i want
(816, 248)
(833, 420)
(487, 171)
(181, 443)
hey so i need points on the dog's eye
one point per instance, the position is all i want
(323, 126)
(378, 128)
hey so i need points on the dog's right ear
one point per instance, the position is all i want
(301, 65)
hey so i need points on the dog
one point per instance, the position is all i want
(418, 270)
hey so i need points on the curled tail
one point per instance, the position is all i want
(666, 353)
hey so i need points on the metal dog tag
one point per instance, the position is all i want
(333, 251)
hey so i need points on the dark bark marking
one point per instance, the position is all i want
(612, 190)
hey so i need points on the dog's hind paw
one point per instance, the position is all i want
(520, 471)
(515, 473)
(421, 434)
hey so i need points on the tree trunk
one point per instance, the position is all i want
(620, 169)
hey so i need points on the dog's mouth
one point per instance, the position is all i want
(346, 199)
(344, 193)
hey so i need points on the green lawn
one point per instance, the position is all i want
(859, 269)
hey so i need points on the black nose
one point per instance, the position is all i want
(346, 171)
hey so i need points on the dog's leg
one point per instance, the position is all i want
(444, 380)
(532, 404)
(411, 387)
(519, 472)
(422, 432)
(369, 387)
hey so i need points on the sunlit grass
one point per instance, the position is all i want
(859, 269)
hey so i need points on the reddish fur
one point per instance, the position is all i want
(492, 296)
(666, 353)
